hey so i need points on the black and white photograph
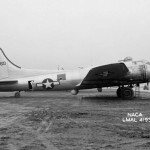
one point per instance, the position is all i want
(74, 74)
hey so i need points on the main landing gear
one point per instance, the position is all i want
(125, 92)
(17, 95)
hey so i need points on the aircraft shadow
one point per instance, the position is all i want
(105, 98)
(100, 97)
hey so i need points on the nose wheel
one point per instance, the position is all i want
(125, 92)
(17, 95)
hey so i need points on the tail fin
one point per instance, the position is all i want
(5, 65)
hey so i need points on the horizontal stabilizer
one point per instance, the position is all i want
(8, 82)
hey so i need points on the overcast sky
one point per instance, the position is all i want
(43, 34)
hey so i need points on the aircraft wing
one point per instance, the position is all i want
(104, 74)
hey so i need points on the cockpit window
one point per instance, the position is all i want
(148, 63)
(141, 62)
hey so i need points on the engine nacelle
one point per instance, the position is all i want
(74, 92)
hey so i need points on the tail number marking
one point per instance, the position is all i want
(2, 63)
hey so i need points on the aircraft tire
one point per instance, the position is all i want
(118, 92)
(17, 94)
(127, 93)
(74, 92)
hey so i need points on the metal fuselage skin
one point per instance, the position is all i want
(139, 71)
(33, 80)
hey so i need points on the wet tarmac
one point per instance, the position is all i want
(60, 121)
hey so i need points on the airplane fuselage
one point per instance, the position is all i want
(53, 80)
(139, 72)
(125, 74)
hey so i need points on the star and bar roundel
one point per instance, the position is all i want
(48, 84)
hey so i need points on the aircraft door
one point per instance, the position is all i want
(30, 84)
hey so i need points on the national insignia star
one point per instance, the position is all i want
(48, 84)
